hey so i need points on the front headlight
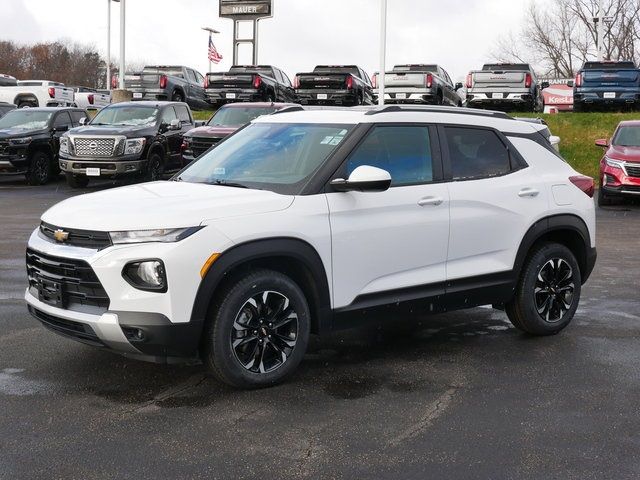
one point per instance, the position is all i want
(165, 235)
(614, 163)
(64, 145)
(20, 141)
(134, 146)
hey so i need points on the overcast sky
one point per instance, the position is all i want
(458, 34)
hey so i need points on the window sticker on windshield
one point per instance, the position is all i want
(326, 140)
(219, 171)
(335, 140)
(343, 133)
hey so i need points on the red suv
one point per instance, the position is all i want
(620, 165)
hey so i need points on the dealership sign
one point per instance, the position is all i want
(245, 9)
(558, 95)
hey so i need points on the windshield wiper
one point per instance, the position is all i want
(229, 184)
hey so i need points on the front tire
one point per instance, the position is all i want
(548, 291)
(39, 171)
(604, 200)
(258, 330)
(155, 168)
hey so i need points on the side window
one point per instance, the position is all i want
(192, 76)
(199, 78)
(76, 115)
(285, 79)
(476, 153)
(403, 151)
(168, 114)
(183, 113)
(62, 120)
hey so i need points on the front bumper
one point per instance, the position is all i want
(327, 97)
(109, 167)
(14, 160)
(620, 182)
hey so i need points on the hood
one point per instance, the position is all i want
(211, 131)
(628, 154)
(112, 130)
(161, 205)
(20, 132)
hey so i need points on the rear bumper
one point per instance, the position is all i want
(595, 100)
(408, 95)
(220, 97)
(143, 94)
(327, 97)
(508, 99)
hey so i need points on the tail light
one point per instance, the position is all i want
(578, 81)
(469, 82)
(90, 98)
(584, 183)
(52, 92)
(296, 82)
(163, 81)
(374, 81)
(257, 81)
(349, 82)
(114, 82)
(528, 80)
(428, 80)
(206, 81)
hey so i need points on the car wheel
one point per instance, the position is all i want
(39, 170)
(76, 181)
(177, 96)
(27, 105)
(154, 169)
(548, 291)
(604, 200)
(258, 330)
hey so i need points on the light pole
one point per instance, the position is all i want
(600, 31)
(210, 30)
(109, 42)
(122, 23)
(383, 50)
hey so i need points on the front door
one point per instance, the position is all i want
(391, 242)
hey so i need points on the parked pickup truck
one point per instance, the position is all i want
(424, 84)
(334, 85)
(505, 86)
(606, 84)
(249, 83)
(29, 140)
(7, 80)
(85, 97)
(223, 123)
(37, 93)
(174, 83)
(129, 138)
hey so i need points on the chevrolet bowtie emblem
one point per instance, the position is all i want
(60, 235)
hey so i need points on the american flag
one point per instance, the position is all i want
(214, 56)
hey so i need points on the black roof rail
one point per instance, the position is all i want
(292, 108)
(438, 109)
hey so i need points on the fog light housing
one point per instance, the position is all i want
(147, 275)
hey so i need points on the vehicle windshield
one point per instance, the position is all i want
(238, 116)
(127, 116)
(280, 157)
(25, 119)
(626, 137)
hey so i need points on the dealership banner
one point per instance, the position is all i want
(558, 95)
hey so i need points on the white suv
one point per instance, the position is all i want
(303, 218)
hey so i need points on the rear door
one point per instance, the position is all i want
(386, 243)
(186, 121)
(61, 123)
(174, 138)
(494, 199)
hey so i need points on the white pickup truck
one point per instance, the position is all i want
(37, 93)
(90, 98)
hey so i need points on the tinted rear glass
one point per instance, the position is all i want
(171, 71)
(262, 71)
(415, 68)
(476, 153)
(507, 67)
(608, 65)
(341, 70)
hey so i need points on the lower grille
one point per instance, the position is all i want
(101, 166)
(78, 238)
(633, 170)
(201, 145)
(69, 328)
(65, 281)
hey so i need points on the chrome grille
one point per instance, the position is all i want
(94, 147)
(199, 145)
(633, 170)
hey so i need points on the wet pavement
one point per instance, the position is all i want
(461, 395)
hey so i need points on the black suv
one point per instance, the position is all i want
(29, 140)
(130, 138)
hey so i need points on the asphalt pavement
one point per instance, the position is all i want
(456, 396)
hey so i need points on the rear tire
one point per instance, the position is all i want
(39, 171)
(27, 104)
(548, 291)
(76, 181)
(177, 96)
(257, 331)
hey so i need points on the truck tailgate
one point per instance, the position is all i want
(498, 79)
(142, 81)
(611, 78)
(335, 81)
(63, 94)
(401, 79)
(221, 80)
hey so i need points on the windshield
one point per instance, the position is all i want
(272, 156)
(237, 116)
(25, 119)
(128, 116)
(626, 137)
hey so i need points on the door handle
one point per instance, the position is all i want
(528, 192)
(430, 201)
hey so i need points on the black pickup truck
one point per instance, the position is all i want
(175, 83)
(249, 83)
(606, 85)
(29, 140)
(334, 85)
(130, 138)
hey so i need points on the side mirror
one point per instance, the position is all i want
(570, 83)
(61, 128)
(555, 142)
(544, 85)
(602, 142)
(364, 179)
(459, 85)
(175, 124)
(83, 121)
(199, 123)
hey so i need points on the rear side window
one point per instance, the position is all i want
(476, 153)
(183, 113)
(76, 116)
(403, 151)
(62, 120)
(168, 115)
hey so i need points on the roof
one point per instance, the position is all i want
(396, 113)
(52, 109)
(629, 123)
